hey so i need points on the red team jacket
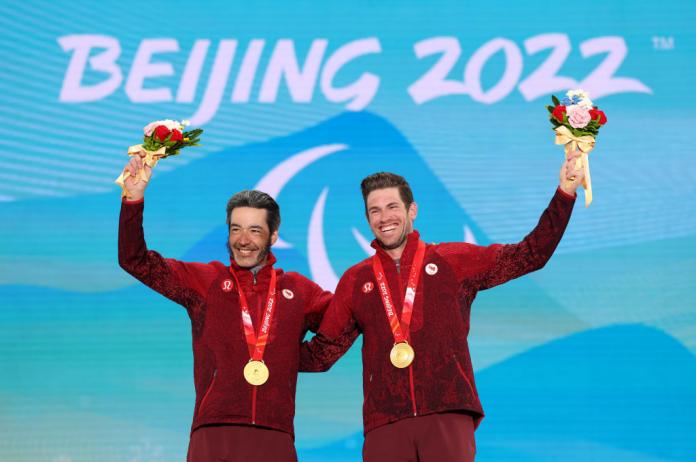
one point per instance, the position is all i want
(441, 376)
(220, 352)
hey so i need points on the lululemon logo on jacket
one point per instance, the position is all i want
(367, 287)
(287, 293)
(431, 269)
(227, 285)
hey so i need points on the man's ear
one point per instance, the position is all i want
(274, 237)
(413, 211)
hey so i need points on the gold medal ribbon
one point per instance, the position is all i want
(583, 143)
(150, 158)
(402, 354)
(256, 372)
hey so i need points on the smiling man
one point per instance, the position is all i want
(412, 301)
(247, 321)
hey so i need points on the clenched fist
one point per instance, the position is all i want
(137, 176)
(571, 176)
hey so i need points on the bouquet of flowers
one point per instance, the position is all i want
(576, 122)
(163, 138)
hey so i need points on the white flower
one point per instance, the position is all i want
(171, 124)
(579, 92)
(583, 96)
(586, 103)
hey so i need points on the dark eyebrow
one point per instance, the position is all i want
(390, 204)
(236, 225)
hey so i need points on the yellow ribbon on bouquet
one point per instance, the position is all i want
(585, 144)
(150, 158)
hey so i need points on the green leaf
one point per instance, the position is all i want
(555, 100)
(550, 108)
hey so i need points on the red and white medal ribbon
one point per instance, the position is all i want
(402, 353)
(256, 372)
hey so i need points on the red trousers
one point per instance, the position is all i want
(445, 437)
(240, 443)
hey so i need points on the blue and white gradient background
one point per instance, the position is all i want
(592, 358)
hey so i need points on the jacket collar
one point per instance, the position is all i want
(408, 253)
(247, 279)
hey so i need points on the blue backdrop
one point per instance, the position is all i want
(591, 358)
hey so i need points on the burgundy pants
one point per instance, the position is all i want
(240, 443)
(445, 437)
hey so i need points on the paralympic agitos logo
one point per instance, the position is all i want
(315, 175)
(95, 58)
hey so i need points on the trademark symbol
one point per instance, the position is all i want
(663, 43)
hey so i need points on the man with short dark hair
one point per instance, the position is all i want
(247, 320)
(411, 301)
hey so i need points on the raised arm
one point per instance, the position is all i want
(184, 283)
(534, 251)
(489, 266)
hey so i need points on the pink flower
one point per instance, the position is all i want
(150, 128)
(578, 116)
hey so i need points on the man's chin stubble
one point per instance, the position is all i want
(393, 246)
(261, 259)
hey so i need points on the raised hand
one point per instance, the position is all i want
(137, 176)
(572, 173)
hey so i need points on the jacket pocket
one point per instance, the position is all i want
(367, 393)
(463, 374)
(207, 392)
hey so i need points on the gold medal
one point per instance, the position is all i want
(402, 355)
(256, 372)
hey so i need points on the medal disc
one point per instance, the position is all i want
(256, 372)
(401, 355)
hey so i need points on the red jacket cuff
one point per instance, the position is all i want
(565, 194)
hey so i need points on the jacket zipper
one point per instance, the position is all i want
(410, 368)
(253, 404)
(254, 388)
(413, 394)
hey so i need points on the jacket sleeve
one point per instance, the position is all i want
(487, 267)
(316, 306)
(337, 332)
(184, 283)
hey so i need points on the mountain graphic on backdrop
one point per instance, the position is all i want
(590, 396)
